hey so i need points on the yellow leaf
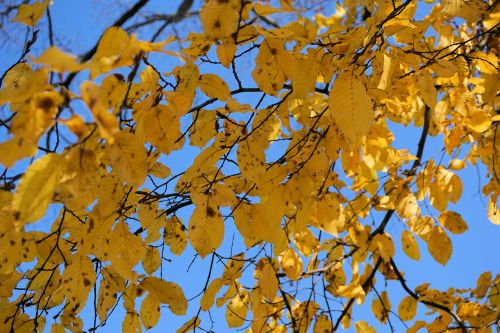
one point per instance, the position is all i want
(160, 126)
(207, 300)
(479, 121)
(128, 159)
(190, 325)
(272, 66)
(225, 51)
(237, 308)
(57, 328)
(115, 49)
(58, 61)
(128, 250)
(323, 324)
(493, 212)
(107, 122)
(407, 206)
(30, 14)
(166, 293)
(263, 10)
(305, 73)
(385, 246)
(468, 10)
(76, 125)
(416, 326)
(389, 65)
(204, 128)
(439, 245)
(482, 285)
(36, 188)
(21, 83)
(410, 245)
(351, 107)
(77, 280)
(427, 90)
(175, 235)
(206, 228)
(232, 268)
(214, 87)
(150, 311)
(160, 170)
(111, 285)
(291, 264)
(265, 274)
(407, 309)
(131, 323)
(381, 307)
(220, 18)
(152, 260)
(363, 327)
(453, 221)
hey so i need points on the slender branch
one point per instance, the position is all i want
(432, 304)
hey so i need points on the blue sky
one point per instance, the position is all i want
(78, 25)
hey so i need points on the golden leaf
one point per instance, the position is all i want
(363, 327)
(439, 245)
(152, 260)
(190, 325)
(407, 308)
(128, 159)
(272, 66)
(381, 307)
(30, 14)
(36, 188)
(291, 264)
(175, 235)
(166, 293)
(220, 18)
(453, 221)
(150, 311)
(207, 300)
(214, 87)
(410, 245)
(493, 212)
(206, 228)
(58, 61)
(237, 308)
(350, 106)
(323, 324)
(225, 51)
(265, 274)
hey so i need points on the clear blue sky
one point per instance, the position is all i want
(78, 25)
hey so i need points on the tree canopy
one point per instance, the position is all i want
(255, 144)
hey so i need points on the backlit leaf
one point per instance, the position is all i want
(36, 188)
(350, 106)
